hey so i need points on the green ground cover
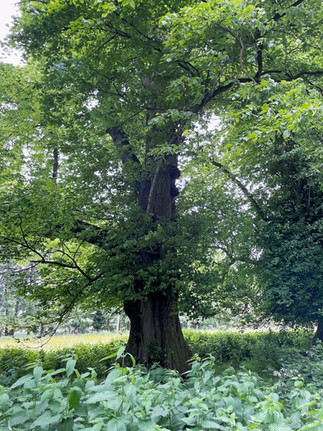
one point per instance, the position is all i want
(63, 391)
(131, 399)
(257, 351)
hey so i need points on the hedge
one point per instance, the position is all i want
(254, 350)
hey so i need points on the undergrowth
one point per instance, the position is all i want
(257, 351)
(137, 399)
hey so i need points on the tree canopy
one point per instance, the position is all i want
(112, 107)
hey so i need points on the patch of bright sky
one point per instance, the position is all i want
(8, 9)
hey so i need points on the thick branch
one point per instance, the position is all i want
(307, 72)
(278, 15)
(150, 39)
(209, 95)
(92, 234)
(290, 77)
(241, 61)
(152, 191)
(243, 188)
(117, 31)
(186, 65)
(43, 261)
(55, 164)
(122, 143)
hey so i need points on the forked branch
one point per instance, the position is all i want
(243, 188)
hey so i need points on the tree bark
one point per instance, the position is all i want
(55, 164)
(318, 336)
(155, 330)
(118, 324)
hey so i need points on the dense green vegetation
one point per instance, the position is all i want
(257, 351)
(164, 158)
(134, 398)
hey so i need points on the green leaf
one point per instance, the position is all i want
(46, 419)
(22, 381)
(48, 393)
(41, 406)
(55, 406)
(158, 412)
(18, 418)
(116, 425)
(252, 135)
(37, 373)
(211, 425)
(120, 352)
(101, 396)
(70, 365)
(66, 425)
(190, 420)
(113, 355)
(74, 397)
(311, 426)
(96, 427)
(146, 426)
(299, 383)
(113, 375)
(306, 405)
(133, 360)
(4, 402)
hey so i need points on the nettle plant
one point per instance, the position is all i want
(135, 399)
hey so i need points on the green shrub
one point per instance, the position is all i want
(14, 361)
(255, 350)
(137, 399)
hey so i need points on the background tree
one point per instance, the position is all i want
(282, 165)
(99, 321)
(17, 312)
(114, 90)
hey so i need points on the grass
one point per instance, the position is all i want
(58, 341)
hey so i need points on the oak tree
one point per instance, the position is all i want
(96, 128)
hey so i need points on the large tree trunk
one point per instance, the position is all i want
(155, 330)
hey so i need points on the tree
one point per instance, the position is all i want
(109, 96)
(99, 321)
(282, 164)
(16, 310)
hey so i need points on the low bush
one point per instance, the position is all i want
(136, 399)
(14, 362)
(254, 350)
(87, 356)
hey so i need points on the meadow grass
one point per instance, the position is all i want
(58, 341)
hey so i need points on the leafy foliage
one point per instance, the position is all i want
(258, 351)
(96, 126)
(134, 399)
(282, 165)
(13, 360)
